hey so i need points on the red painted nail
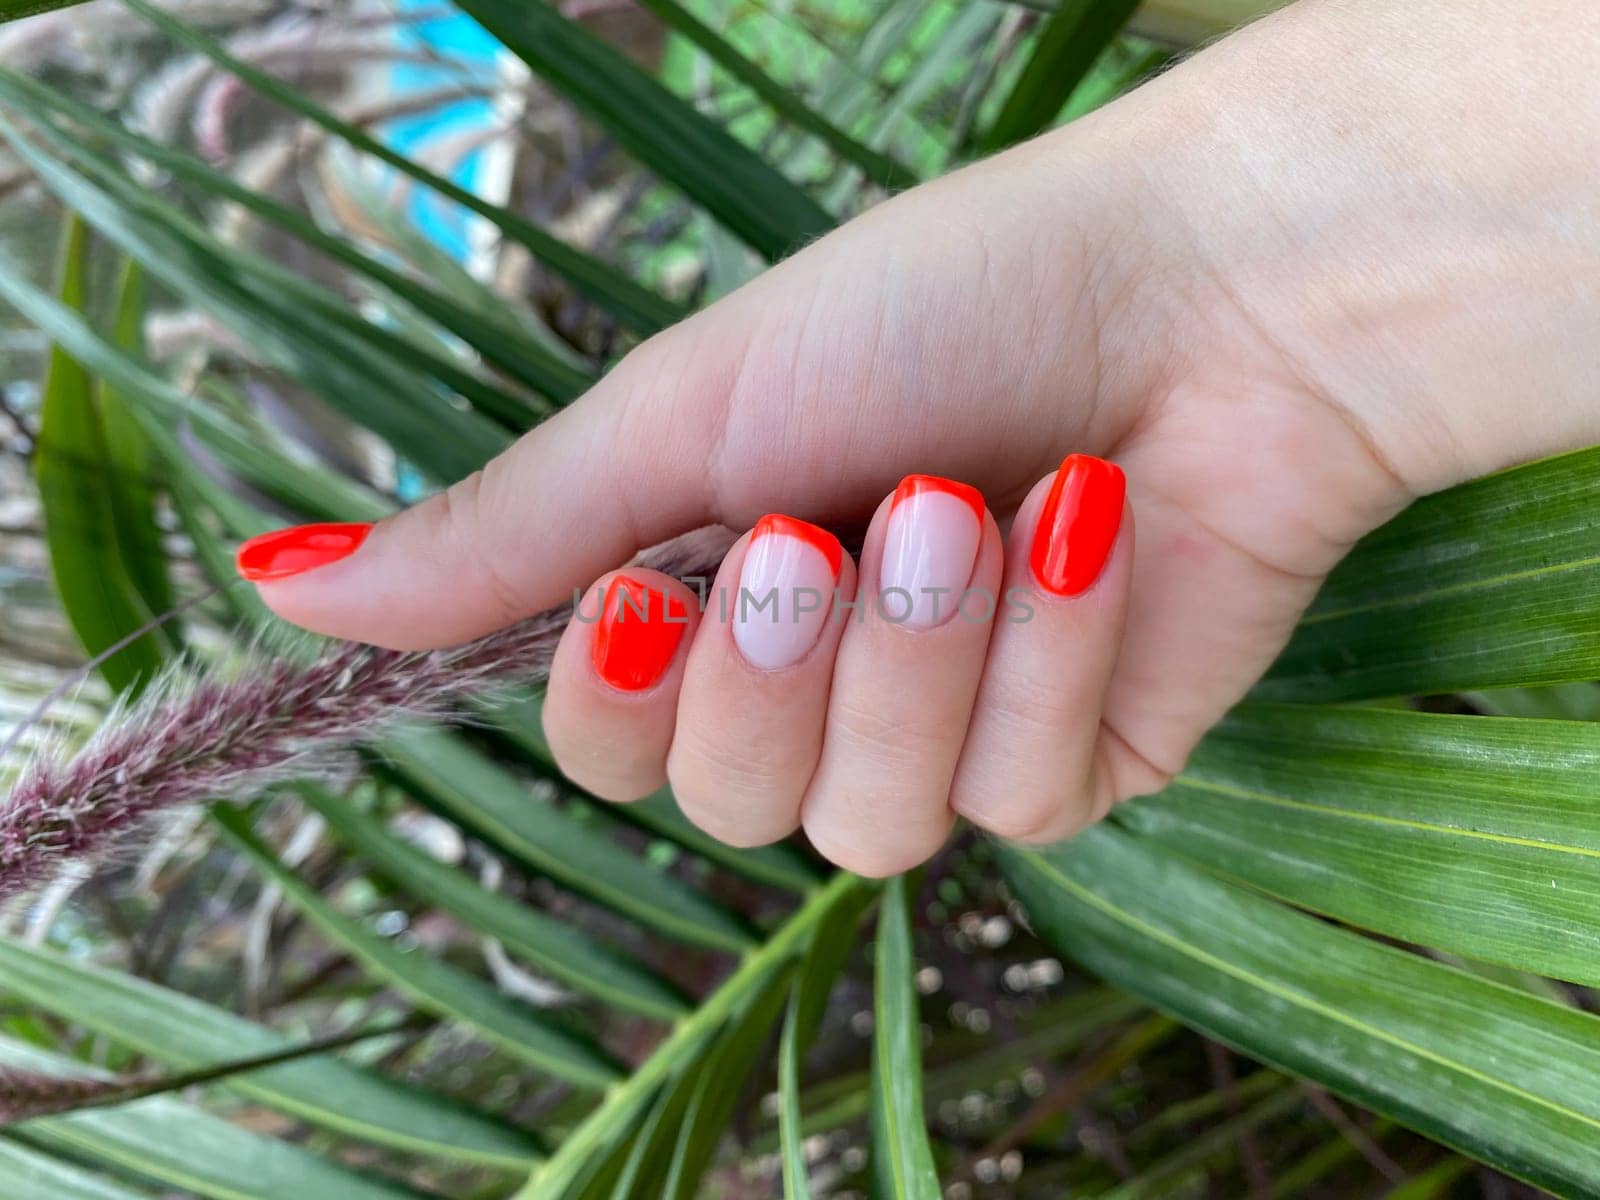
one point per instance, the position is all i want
(1079, 524)
(286, 552)
(637, 634)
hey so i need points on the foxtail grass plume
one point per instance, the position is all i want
(185, 742)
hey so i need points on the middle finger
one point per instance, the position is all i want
(905, 678)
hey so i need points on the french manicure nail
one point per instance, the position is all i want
(929, 549)
(1079, 524)
(786, 587)
(301, 548)
(637, 634)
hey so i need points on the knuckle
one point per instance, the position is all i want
(711, 764)
(868, 734)
(869, 862)
(873, 857)
(1035, 711)
(606, 780)
(613, 769)
(735, 797)
(1033, 819)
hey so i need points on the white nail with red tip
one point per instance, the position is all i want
(786, 591)
(929, 549)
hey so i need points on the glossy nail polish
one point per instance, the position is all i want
(637, 634)
(1079, 524)
(786, 586)
(301, 548)
(929, 548)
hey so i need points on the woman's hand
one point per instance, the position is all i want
(1343, 258)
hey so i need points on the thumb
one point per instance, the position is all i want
(571, 499)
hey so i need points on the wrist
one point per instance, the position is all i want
(1437, 276)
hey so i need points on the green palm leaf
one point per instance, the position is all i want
(181, 1146)
(432, 985)
(81, 490)
(489, 332)
(553, 946)
(1388, 1029)
(187, 1033)
(29, 1175)
(357, 367)
(636, 306)
(1471, 834)
(902, 1160)
(718, 1088)
(490, 801)
(1490, 584)
(604, 1136)
(877, 166)
(733, 183)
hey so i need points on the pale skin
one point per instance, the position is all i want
(1343, 258)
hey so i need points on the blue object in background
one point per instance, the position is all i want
(462, 40)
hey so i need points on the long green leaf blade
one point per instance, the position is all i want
(780, 865)
(355, 366)
(1490, 584)
(1478, 835)
(554, 946)
(785, 101)
(432, 985)
(1388, 1029)
(831, 945)
(26, 1174)
(651, 1153)
(185, 1147)
(677, 1139)
(719, 1088)
(188, 1033)
(161, 409)
(130, 468)
(486, 798)
(791, 1118)
(902, 1158)
(77, 491)
(731, 181)
(634, 305)
(1072, 38)
(491, 334)
(604, 1133)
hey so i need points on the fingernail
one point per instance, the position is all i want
(301, 548)
(1079, 524)
(786, 587)
(637, 634)
(929, 548)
